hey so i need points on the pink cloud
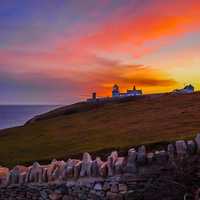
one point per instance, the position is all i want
(129, 34)
(126, 31)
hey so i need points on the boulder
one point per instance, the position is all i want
(22, 177)
(98, 186)
(103, 170)
(197, 140)
(111, 163)
(55, 196)
(35, 173)
(119, 165)
(69, 169)
(4, 176)
(18, 175)
(161, 157)
(114, 196)
(131, 161)
(77, 169)
(106, 186)
(44, 174)
(58, 171)
(114, 188)
(191, 147)
(14, 176)
(181, 148)
(96, 165)
(123, 187)
(67, 197)
(50, 169)
(86, 165)
(171, 151)
(141, 155)
(150, 157)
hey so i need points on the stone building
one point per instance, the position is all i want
(188, 89)
(128, 93)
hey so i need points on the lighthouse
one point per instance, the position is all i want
(115, 91)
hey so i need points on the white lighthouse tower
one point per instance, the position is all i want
(115, 91)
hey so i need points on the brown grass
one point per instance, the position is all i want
(116, 125)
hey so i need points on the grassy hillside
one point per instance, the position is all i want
(115, 125)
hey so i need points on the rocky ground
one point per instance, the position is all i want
(180, 182)
(172, 174)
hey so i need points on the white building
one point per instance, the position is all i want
(188, 89)
(133, 92)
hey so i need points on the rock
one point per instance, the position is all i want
(111, 163)
(66, 197)
(106, 186)
(44, 195)
(18, 175)
(119, 165)
(98, 186)
(4, 176)
(197, 140)
(113, 196)
(49, 171)
(55, 196)
(123, 188)
(114, 188)
(14, 176)
(191, 147)
(150, 157)
(131, 161)
(103, 170)
(77, 169)
(181, 148)
(58, 171)
(86, 165)
(141, 155)
(96, 165)
(69, 169)
(44, 174)
(35, 173)
(161, 157)
(22, 177)
(171, 151)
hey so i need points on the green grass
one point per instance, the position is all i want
(116, 125)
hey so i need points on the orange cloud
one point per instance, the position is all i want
(148, 78)
(125, 32)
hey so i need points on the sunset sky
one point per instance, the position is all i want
(59, 51)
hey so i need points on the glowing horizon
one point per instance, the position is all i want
(60, 52)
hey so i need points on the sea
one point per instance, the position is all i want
(17, 115)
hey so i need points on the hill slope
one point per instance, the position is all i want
(89, 127)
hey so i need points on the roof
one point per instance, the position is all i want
(189, 87)
(115, 86)
(132, 91)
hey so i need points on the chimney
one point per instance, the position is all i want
(94, 95)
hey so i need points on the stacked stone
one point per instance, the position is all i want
(24, 192)
(72, 169)
(92, 190)
(131, 161)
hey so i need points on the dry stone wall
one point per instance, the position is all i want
(116, 178)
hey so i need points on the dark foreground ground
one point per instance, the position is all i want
(170, 182)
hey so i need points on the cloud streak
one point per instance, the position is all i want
(87, 46)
